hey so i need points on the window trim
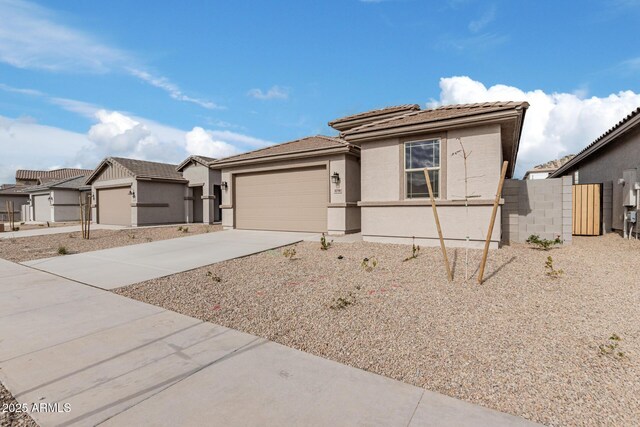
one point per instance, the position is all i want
(405, 170)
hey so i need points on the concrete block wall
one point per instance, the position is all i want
(541, 206)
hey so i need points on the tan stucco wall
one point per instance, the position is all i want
(382, 164)
(159, 193)
(198, 174)
(606, 167)
(339, 218)
(66, 205)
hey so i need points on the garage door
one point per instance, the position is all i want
(114, 206)
(41, 208)
(291, 200)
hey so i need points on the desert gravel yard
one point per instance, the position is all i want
(560, 351)
(9, 417)
(29, 248)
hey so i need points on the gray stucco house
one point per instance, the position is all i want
(613, 161)
(56, 201)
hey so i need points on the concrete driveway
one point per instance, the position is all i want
(120, 362)
(116, 267)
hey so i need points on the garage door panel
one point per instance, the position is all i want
(291, 200)
(114, 206)
(41, 208)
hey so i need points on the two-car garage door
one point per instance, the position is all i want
(114, 206)
(283, 200)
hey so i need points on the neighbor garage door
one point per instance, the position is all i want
(289, 200)
(41, 208)
(114, 206)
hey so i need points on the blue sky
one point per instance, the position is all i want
(161, 80)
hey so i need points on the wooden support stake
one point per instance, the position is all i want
(496, 203)
(435, 215)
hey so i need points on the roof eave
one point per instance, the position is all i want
(315, 152)
(588, 151)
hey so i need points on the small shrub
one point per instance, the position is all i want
(16, 229)
(62, 250)
(324, 243)
(131, 236)
(185, 229)
(369, 264)
(289, 253)
(415, 251)
(179, 228)
(341, 303)
(544, 244)
(213, 277)
(610, 349)
(340, 257)
(551, 271)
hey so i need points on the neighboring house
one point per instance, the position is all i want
(310, 184)
(56, 201)
(15, 194)
(38, 177)
(203, 194)
(371, 179)
(137, 192)
(394, 151)
(544, 170)
(612, 160)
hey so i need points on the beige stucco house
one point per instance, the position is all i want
(613, 161)
(311, 184)
(13, 194)
(394, 151)
(56, 201)
(203, 193)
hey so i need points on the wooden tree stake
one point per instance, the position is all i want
(435, 215)
(496, 203)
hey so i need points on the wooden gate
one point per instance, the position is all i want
(586, 209)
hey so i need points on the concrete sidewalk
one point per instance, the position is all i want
(54, 230)
(118, 362)
(116, 267)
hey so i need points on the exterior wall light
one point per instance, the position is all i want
(335, 178)
(132, 193)
(50, 198)
(224, 185)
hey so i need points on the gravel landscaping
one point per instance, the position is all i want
(11, 418)
(557, 350)
(29, 248)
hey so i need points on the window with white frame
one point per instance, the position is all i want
(419, 155)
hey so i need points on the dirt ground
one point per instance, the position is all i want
(34, 226)
(29, 248)
(561, 350)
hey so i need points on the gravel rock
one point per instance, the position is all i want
(30, 248)
(523, 342)
(13, 419)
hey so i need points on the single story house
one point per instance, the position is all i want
(56, 201)
(27, 177)
(613, 161)
(544, 170)
(310, 185)
(203, 193)
(371, 179)
(12, 193)
(395, 150)
(138, 192)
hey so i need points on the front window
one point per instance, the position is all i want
(419, 155)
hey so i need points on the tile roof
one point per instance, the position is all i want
(146, 169)
(445, 112)
(310, 143)
(12, 189)
(203, 160)
(375, 113)
(51, 174)
(74, 183)
(598, 143)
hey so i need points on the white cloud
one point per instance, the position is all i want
(487, 17)
(556, 123)
(202, 142)
(31, 38)
(29, 145)
(275, 92)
